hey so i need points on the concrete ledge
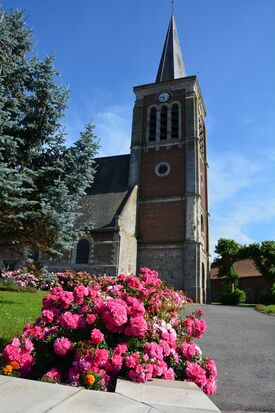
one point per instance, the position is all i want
(28, 396)
(168, 395)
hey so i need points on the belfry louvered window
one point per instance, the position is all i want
(175, 121)
(82, 252)
(153, 124)
(163, 123)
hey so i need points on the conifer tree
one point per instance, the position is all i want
(41, 179)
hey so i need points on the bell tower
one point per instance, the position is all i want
(169, 164)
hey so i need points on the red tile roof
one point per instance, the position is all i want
(245, 268)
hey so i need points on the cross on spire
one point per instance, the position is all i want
(172, 7)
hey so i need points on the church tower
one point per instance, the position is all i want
(168, 163)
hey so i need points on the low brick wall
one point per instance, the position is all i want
(253, 286)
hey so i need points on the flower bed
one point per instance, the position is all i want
(25, 279)
(128, 326)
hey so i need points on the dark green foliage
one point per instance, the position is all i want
(227, 250)
(268, 297)
(264, 257)
(41, 180)
(233, 297)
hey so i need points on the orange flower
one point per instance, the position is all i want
(90, 379)
(15, 365)
(7, 370)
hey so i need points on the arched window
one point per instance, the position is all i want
(82, 252)
(163, 123)
(175, 121)
(153, 124)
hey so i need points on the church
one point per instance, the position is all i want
(149, 208)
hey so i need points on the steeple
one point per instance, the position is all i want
(171, 64)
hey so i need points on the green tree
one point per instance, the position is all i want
(41, 179)
(263, 255)
(228, 253)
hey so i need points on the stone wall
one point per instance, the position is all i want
(167, 260)
(127, 233)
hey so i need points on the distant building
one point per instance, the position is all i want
(251, 281)
(150, 207)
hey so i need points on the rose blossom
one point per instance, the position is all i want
(62, 346)
(96, 336)
(70, 321)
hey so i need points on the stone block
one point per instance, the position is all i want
(167, 396)
(88, 401)
(28, 396)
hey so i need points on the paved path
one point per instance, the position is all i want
(242, 342)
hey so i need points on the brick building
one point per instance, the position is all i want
(149, 207)
(251, 281)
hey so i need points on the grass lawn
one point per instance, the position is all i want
(239, 305)
(16, 309)
(270, 309)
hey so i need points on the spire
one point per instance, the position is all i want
(171, 63)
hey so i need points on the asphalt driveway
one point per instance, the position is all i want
(242, 342)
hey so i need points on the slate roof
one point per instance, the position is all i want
(171, 63)
(108, 193)
(245, 268)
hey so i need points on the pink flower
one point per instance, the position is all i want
(66, 299)
(169, 374)
(62, 346)
(53, 374)
(135, 307)
(47, 316)
(114, 364)
(28, 344)
(114, 314)
(101, 356)
(96, 336)
(210, 387)
(12, 353)
(90, 319)
(211, 368)
(79, 293)
(70, 321)
(15, 342)
(137, 328)
(121, 349)
(189, 350)
(132, 360)
(196, 373)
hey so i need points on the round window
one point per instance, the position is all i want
(162, 169)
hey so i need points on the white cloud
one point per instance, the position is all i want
(242, 195)
(229, 173)
(112, 127)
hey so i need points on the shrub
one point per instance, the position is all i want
(71, 279)
(268, 297)
(233, 297)
(26, 280)
(128, 326)
(10, 285)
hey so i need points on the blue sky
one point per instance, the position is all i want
(104, 48)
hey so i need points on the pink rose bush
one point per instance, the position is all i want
(26, 279)
(126, 326)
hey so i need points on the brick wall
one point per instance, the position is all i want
(253, 286)
(162, 222)
(152, 185)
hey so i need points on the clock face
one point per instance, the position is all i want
(164, 97)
